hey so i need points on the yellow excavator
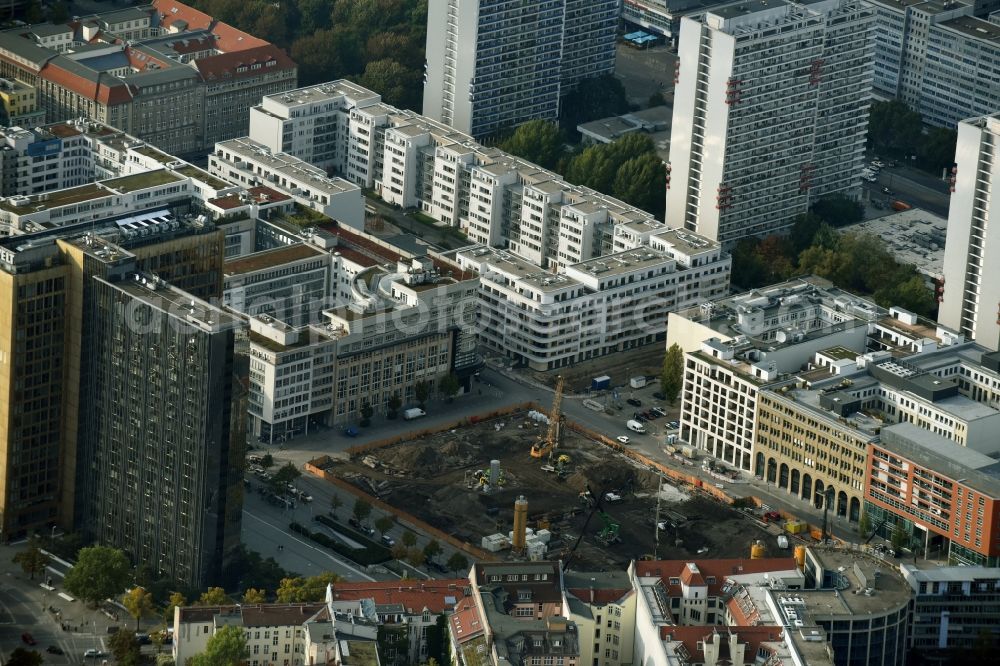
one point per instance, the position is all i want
(543, 447)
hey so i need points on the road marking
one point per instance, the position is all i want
(309, 545)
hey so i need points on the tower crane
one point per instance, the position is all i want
(544, 446)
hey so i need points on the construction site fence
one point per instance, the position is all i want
(317, 466)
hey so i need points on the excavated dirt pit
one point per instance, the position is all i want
(433, 478)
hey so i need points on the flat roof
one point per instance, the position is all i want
(180, 304)
(621, 262)
(746, 7)
(271, 258)
(913, 236)
(141, 181)
(891, 591)
(943, 456)
(974, 27)
(521, 269)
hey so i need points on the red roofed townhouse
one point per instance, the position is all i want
(165, 73)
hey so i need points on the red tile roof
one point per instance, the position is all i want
(229, 38)
(229, 65)
(414, 596)
(228, 202)
(184, 44)
(466, 622)
(109, 91)
(719, 569)
(601, 597)
(140, 60)
(171, 11)
(752, 637)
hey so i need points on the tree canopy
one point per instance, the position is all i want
(100, 573)
(32, 560)
(538, 141)
(628, 168)
(301, 589)
(213, 596)
(672, 378)
(896, 130)
(377, 43)
(227, 647)
(138, 602)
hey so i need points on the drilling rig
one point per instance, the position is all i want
(544, 446)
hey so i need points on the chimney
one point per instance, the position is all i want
(520, 524)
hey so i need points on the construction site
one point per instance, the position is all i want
(525, 486)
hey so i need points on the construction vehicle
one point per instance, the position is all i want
(544, 446)
(609, 533)
(562, 465)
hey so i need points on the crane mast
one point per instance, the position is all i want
(545, 446)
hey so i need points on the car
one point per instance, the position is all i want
(305, 497)
(623, 439)
(388, 540)
(886, 190)
(54, 649)
(28, 639)
(673, 425)
(878, 163)
(890, 164)
(871, 179)
(659, 411)
(351, 431)
(659, 395)
(634, 402)
(93, 653)
(437, 566)
(143, 638)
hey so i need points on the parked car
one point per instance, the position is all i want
(351, 431)
(28, 639)
(886, 190)
(634, 402)
(388, 540)
(143, 638)
(878, 163)
(437, 566)
(623, 439)
(358, 525)
(54, 649)
(659, 395)
(659, 411)
(93, 653)
(673, 425)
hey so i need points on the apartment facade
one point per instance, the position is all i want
(494, 64)
(251, 164)
(971, 299)
(937, 56)
(770, 78)
(944, 497)
(615, 302)
(602, 606)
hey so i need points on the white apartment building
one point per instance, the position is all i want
(402, 325)
(250, 163)
(492, 65)
(415, 162)
(41, 160)
(971, 301)
(294, 634)
(602, 605)
(770, 113)
(611, 303)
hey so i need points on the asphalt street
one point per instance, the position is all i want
(23, 608)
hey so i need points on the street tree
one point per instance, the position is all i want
(177, 600)
(415, 557)
(898, 539)
(227, 647)
(254, 596)
(422, 391)
(362, 509)
(457, 562)
(384, 524)
(394, 404)
(299, 589)
(22, 657)
(864, 524)
(286, 474)
(335, 502)
(100, 573)
(672, 377)
(125, 647)
(266, 460)
(213, 596)
(432, 549)
(138, 602)
(409, 539)
(32, 560)
(449, 386)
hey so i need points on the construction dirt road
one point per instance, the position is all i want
(435, 479)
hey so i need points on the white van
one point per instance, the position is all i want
(635, 426)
